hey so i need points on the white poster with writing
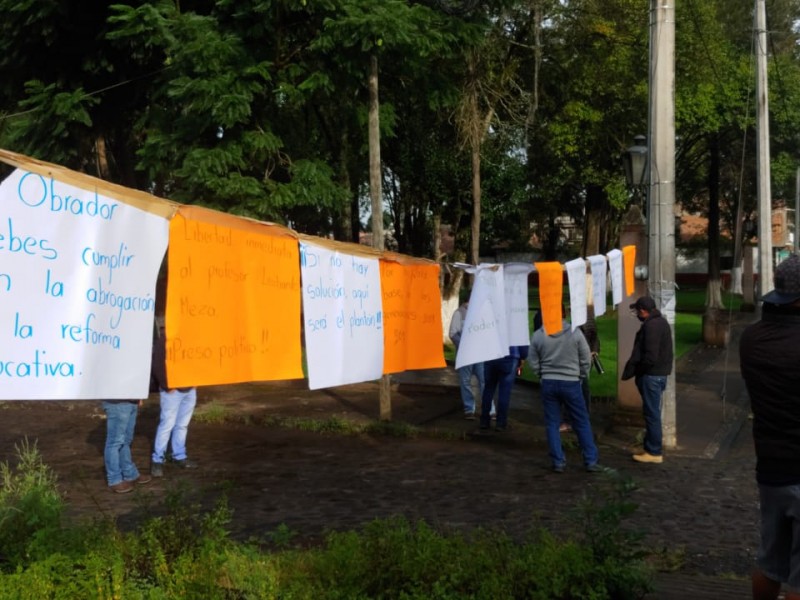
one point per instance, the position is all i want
(576, 277)
(77, 291)
(599, 268)
(342, 317)
(485, 333)
(615, 270)
(515, 282)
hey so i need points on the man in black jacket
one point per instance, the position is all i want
(651, 364)
(769, 354)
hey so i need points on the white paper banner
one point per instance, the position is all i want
(576, 276)
(342, 317)
(515, 283)
(485, 333)
(77, 292)
(615, 269)
(599, 277)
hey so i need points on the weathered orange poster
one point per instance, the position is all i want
(628, 262)
(551, 294)
(233, 300)
(412, 317)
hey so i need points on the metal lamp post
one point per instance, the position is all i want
(636, 168)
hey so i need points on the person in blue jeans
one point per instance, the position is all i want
(177, 408)
(121, 473)
(467, 372)
(560, 361)
(499, 375)
(650, 363)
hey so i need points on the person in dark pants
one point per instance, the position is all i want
(769, 354)
(499, 374)
(651, 364)
(560, 361)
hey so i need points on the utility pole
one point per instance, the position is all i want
(661, 211)
(762, 151)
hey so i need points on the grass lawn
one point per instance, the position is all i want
(688, 333)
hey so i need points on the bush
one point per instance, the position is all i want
(30, 505)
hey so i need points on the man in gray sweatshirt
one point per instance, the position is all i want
(560, 360)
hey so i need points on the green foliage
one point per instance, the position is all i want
(186, 552)
(30, 505)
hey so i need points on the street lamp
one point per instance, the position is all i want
(635, 162)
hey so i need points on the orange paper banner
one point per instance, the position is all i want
(628, 262)
(233, 300)
(551, 295)
(412, 317)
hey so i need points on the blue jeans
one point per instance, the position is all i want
(650, 389)
(553, 393)
(465, 380)
(176, 411)
(779, 554)
(500, 372)
(120, 423)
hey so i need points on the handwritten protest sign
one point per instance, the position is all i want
(515, 284)
(412, 316)
(576, 277)
(485, 333)
(599, 268)
(342, 317)
(615, 271)
(233, 300)
(629, 262)
(551, 295)
(77, 291)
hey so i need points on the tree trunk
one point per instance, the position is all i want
(715, 326)
(376, 197)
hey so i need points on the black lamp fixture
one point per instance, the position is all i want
(635, 162)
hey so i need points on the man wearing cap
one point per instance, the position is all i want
(769, 353)
(650, 363)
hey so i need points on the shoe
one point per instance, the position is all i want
(469, 416)
(185, 464)
(646, 457)
(142, 479)
(123, 487)
(595, 468)
(559, 468)
(157, 470)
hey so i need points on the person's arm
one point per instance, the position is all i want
(584, 354)
(456, 324)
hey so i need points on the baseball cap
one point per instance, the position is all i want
(787, 282)
(645, 303)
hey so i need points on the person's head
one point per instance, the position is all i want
(643, 307)
(787, 283)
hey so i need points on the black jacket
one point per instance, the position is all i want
(652, 348)
(769, 354)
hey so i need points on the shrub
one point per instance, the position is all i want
(30, 504)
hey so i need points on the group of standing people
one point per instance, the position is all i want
(562, 361)
(177, 407)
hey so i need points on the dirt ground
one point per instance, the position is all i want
(700, 514)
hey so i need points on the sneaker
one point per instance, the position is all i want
(595, 468)
(646, 457)
(142, 479)
(469, 416)
(157, 470)
(559, 468)
(123, 487)
(185, 463)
